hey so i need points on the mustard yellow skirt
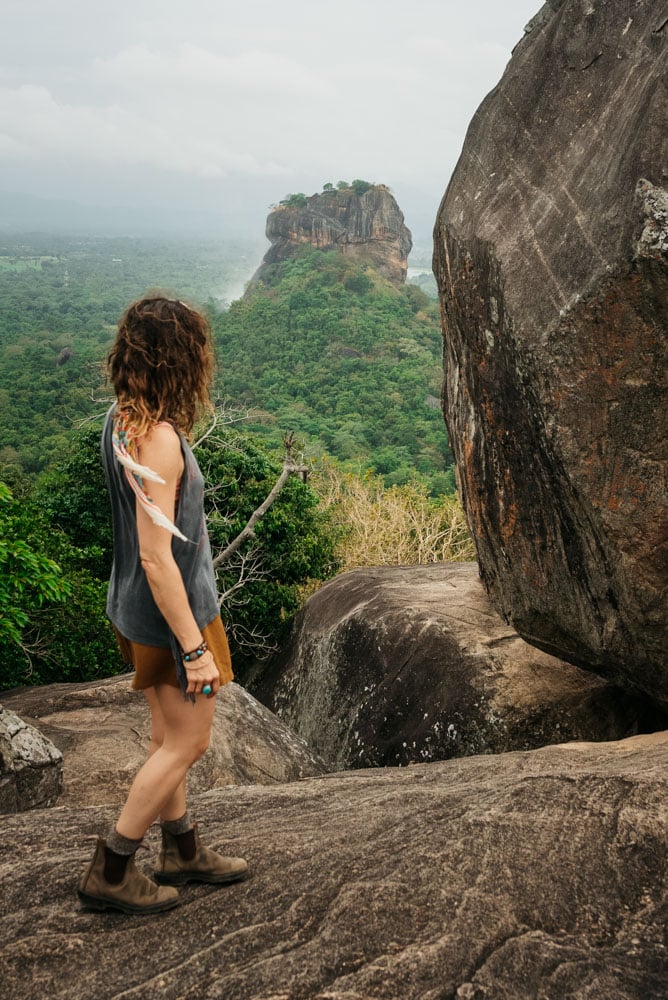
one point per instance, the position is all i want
(155, 664)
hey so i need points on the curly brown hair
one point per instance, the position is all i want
(161, 364)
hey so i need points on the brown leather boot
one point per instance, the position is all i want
(135, 893)
(202, 865)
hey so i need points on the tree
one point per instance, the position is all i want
(28, 578)
(269, 535)
(359, 283)
(73, 497)
(360, 187)
(328, 186)
(342, 185)
(297, 200)
(57, 606)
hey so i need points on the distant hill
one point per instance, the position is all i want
(327, 347)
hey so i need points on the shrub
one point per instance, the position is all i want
(28, 577)
(360, 186)
(53, 626)
(399, 525)
(297, 200)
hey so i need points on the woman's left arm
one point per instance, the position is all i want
(160, 450)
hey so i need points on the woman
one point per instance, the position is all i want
(162, 599)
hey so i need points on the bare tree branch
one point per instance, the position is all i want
(211, 428)
(224, 414)
(290, 468)
(241, 569)
(80, 422)
(253, 640)
(250, 570)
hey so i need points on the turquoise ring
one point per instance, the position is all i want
(206, 689)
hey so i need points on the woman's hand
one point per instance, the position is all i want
(202, 672)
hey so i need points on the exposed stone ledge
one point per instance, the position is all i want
(507, 877)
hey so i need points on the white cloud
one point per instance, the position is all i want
(215, 90)
(11, 147)
(251, 72)
(35, 125)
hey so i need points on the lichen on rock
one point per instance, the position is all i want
(30, 766)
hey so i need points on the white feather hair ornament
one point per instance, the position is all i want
(135, 473)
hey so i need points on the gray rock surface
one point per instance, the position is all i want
(400, 664)
(550, 255)
(102, 729)
(516, 877)
(369, 227)
(30, 766)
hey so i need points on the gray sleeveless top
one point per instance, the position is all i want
(130, 604)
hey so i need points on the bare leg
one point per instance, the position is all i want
(186, 734)
(157, 721)
(176, 806)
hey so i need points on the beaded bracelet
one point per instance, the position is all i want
(195, 654)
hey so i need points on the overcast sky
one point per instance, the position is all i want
(206, 106)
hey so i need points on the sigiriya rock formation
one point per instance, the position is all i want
(368, 225)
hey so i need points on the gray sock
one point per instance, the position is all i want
(119, 844)
(176, 826)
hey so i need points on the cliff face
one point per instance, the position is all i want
(550, 254)
(369, 226)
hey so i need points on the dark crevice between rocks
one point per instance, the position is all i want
(652, 718)
(592, 60)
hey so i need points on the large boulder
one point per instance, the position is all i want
(399, 664)
(514, 877)
(31, 767)
(550, 256)
(102, 729)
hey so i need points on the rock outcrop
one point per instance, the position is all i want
(550, 255)
(513, 877)
(31, 767)
(368, 226)
(102, 729)
(397, 665)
